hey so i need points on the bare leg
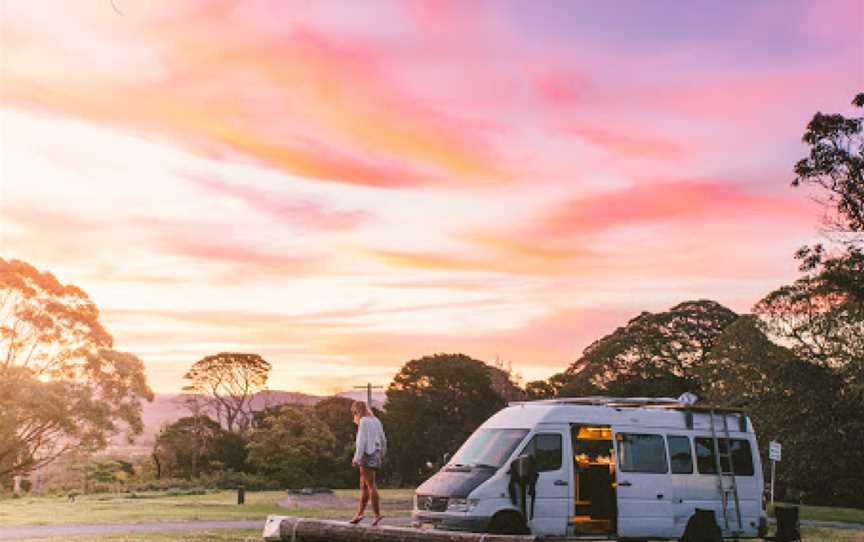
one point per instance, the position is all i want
(373, 494)
(364, 499)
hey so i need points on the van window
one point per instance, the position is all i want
(742, 458)
(546, 449)
(488, 447)
(641, 453)
(680, 457)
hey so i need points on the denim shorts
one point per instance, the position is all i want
(372, 461)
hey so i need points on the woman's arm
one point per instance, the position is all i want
(362, 439)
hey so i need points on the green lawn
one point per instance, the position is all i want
(825, 513)
(823, 535)
(158, 506)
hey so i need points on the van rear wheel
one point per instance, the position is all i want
(507, 523)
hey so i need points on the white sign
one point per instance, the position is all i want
(774, 450)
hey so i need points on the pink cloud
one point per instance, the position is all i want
(667, 201)
(246, 255)
(304, 213)
(624, 144)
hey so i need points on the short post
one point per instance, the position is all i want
(773, 465)
(241, 495)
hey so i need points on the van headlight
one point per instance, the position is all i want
(462, 505)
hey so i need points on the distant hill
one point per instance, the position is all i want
(378, 397)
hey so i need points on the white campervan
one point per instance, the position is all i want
(600, 468)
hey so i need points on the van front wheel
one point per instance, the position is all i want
(507, 523)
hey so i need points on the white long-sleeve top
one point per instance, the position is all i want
(370, 437)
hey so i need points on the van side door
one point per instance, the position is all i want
(643, 485)
(550, 447)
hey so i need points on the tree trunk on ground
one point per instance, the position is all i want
(315, 530)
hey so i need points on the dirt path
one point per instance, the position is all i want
(68, 530)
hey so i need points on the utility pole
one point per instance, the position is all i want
(369, 387)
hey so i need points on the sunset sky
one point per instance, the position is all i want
(344, 186)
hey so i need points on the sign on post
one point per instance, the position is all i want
(774, 454)
(774, 450)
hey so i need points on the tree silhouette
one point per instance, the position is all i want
(836, 165)
(433, 405)
(62, 387)
(654, 354)
(227, 382)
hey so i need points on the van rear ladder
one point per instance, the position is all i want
(726, 476)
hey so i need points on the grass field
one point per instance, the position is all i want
(158, 506)
(825, 513)
(154, 507)
(810, 534)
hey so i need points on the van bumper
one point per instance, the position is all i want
(471, 524)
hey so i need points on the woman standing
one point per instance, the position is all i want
(370, 449)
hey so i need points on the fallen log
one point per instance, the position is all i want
(291, 529)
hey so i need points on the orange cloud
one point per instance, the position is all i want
(298, 101)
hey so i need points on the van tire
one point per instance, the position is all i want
(507, 523)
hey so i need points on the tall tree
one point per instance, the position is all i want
(433, 405)
(796, 402)
(228, 382)
(835, 164)
(62, 387)
(821, 321)
(654, 354)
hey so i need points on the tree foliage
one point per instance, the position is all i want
(433, 405)
(335, 412)
(228, 382)
(62, 386)
(654, 354)
(796, 402)
(821, 316)
(835, 164)
(292, 445)
(197, 445)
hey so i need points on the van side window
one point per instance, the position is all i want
(705, 456)
(742, 457)
(680, 456)
(641, 453)
(546, 449)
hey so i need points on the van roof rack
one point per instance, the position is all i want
(633, 402)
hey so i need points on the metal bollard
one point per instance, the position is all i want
(241, 495)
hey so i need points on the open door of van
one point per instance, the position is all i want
(549, 511)
(643, 486)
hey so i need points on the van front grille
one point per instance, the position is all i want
(430, 503)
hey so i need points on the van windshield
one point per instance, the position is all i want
(488, 448)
